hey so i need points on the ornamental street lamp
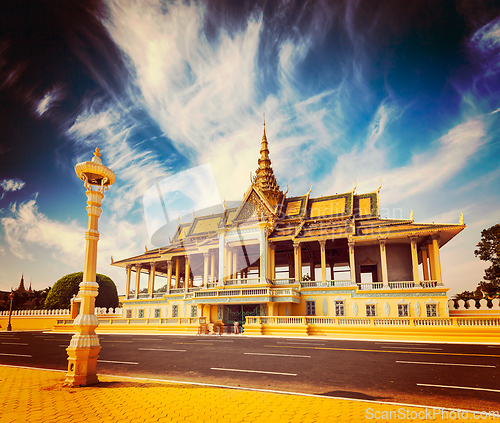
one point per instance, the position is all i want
(84, 347)
(11, 296)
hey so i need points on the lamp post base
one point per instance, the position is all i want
(82, 363)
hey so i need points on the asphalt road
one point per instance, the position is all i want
(434, 375)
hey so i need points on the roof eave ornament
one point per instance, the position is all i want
(380, 186)
(461, 221)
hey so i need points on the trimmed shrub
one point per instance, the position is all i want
(60, 295)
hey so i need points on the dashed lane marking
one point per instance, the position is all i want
(16, 355)
(384, 351)
(254, 371)
(280, 355)
(458, 387)
(160, 349)
(13, 343)
(117, 362)
(445, 364)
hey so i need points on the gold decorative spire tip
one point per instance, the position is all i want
(96, 152)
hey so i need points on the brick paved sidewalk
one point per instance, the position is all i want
(33, 395)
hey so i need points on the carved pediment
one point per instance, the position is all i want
(252, 209)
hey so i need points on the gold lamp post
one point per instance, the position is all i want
(84, 347)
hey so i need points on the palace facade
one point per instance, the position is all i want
(292, 257)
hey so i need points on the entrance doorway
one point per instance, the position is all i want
(238, 312)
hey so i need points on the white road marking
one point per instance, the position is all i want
(400, 342)
(280, 355)
(254, 371)
(459, 387)
(159, 349)
(211, 339)
(445, 364)
(416, 348)
(299, 343)
(117, 362)
(493, 346)
(16, 355)
(13, 343)
(134, 339)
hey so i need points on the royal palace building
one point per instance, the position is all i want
(292, 257)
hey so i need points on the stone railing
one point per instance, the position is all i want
(270, 292)
(285, 281)
(472, 305)
(327, 283)
(247, 281)
(100, 311)
(371, 285)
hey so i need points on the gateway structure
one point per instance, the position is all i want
(274, 255)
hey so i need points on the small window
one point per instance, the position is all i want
(370, 310)
(128, 314)
(175, 311)
(403, 310)
(339, 308)
(157, 312)
(431, 310)
(311, 308)
(141, 314)
(194, 311)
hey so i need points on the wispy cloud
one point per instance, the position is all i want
(12, 184)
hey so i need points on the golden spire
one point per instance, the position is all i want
(264, 177)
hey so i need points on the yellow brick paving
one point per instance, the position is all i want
(33, 395)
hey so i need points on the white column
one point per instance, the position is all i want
(414, 259)
(383, 261)
(297, 260)
(322, 245)
(127, 283)
(212, 268)
(352, 262)
(137, 280)
(437, 258)
(187, 274)
(177, 273)
(169, 275)
(205, 269)
(151, 281)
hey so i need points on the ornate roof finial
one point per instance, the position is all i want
(461, 221)
(380, 186)
(96, 152)
(411, 214)
(264, 176)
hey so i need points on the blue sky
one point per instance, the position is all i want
(406, 92)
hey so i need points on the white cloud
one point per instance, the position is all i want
(27, 226)
(12, 184)
(427, 170)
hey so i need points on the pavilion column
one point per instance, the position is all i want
(425, 263)
(187, 274)
(383, 261)
(272, 261)
(205, 268)
(332, 275)
(177, 273)
(414, 259)
(291, 271)
(169, 275)
(137, 280)
(437, 259)
(322, 245)
(229, 263)
(312, 271)
(234, 274)
(352, 262)
(212, 268)
(151, 280)
(297, 259)
(127, 283)
(432, 267)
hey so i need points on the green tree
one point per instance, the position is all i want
(63, 290)
(488, 249)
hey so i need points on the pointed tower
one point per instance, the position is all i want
(21, 288)
(264, 176)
